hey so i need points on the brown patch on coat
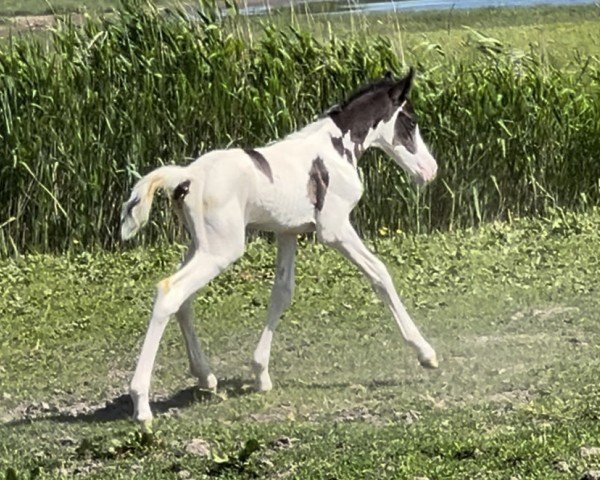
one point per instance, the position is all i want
(181, 191)
(318, 181)
(129, 207)
(338, 144)
(261, 162)
(405, 127)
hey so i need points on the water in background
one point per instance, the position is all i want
(366, 6)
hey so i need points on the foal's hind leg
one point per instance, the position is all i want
(281, 297)
(226, 247)
(199, 365)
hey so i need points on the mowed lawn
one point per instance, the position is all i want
(511, 309)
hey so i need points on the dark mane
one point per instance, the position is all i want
(369, 105)
(364, 109)
(368, 88)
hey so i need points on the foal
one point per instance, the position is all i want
(307, 182)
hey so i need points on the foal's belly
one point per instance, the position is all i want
(278, 210)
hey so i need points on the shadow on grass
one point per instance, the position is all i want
(370, 385)
(121, 407)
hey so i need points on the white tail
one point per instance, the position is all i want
(136, 210)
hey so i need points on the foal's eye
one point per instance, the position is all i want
(411, 122)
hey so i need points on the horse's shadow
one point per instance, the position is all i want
(121, 407)
(370, 385)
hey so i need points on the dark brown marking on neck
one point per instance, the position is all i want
(364, 110)
(338, 144)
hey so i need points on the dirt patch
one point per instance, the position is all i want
(544, 313)
(364, 414)
(587, 452)
(273, 416)
(198, 447)
(24, 23)
(526, 338)
(551, 312)
(591, 475)
(512, 397)
(409, 417)
(361, 414)
(283, 443)
(118, 408)
(32, 21)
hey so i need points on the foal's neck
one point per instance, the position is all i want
(325, 129)
(322, 127)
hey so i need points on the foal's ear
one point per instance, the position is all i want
(335, 109)
(400, 91)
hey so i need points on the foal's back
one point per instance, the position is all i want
(269, 184)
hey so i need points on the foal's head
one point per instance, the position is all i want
(381, 115)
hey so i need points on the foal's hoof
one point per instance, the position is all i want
(146, 425)
(209, 383)
(429, 361)
(263, 383)
(264, 387)
(142, 415)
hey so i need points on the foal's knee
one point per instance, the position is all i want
(167, 301)
(329, 237)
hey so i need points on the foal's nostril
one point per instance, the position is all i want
(426, 172)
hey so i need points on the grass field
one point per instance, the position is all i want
(511, 309)
(559, 33)
(44, 7)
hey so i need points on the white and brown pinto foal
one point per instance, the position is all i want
(307, 182)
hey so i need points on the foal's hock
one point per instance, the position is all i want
(307, 182)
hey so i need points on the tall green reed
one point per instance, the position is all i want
(84, 114)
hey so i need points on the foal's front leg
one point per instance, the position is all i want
(281, 297)
(351, 246)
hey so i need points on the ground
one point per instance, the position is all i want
(511, 309)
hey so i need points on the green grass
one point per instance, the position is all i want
(511, 309)
(44, 7)
(558, 33)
